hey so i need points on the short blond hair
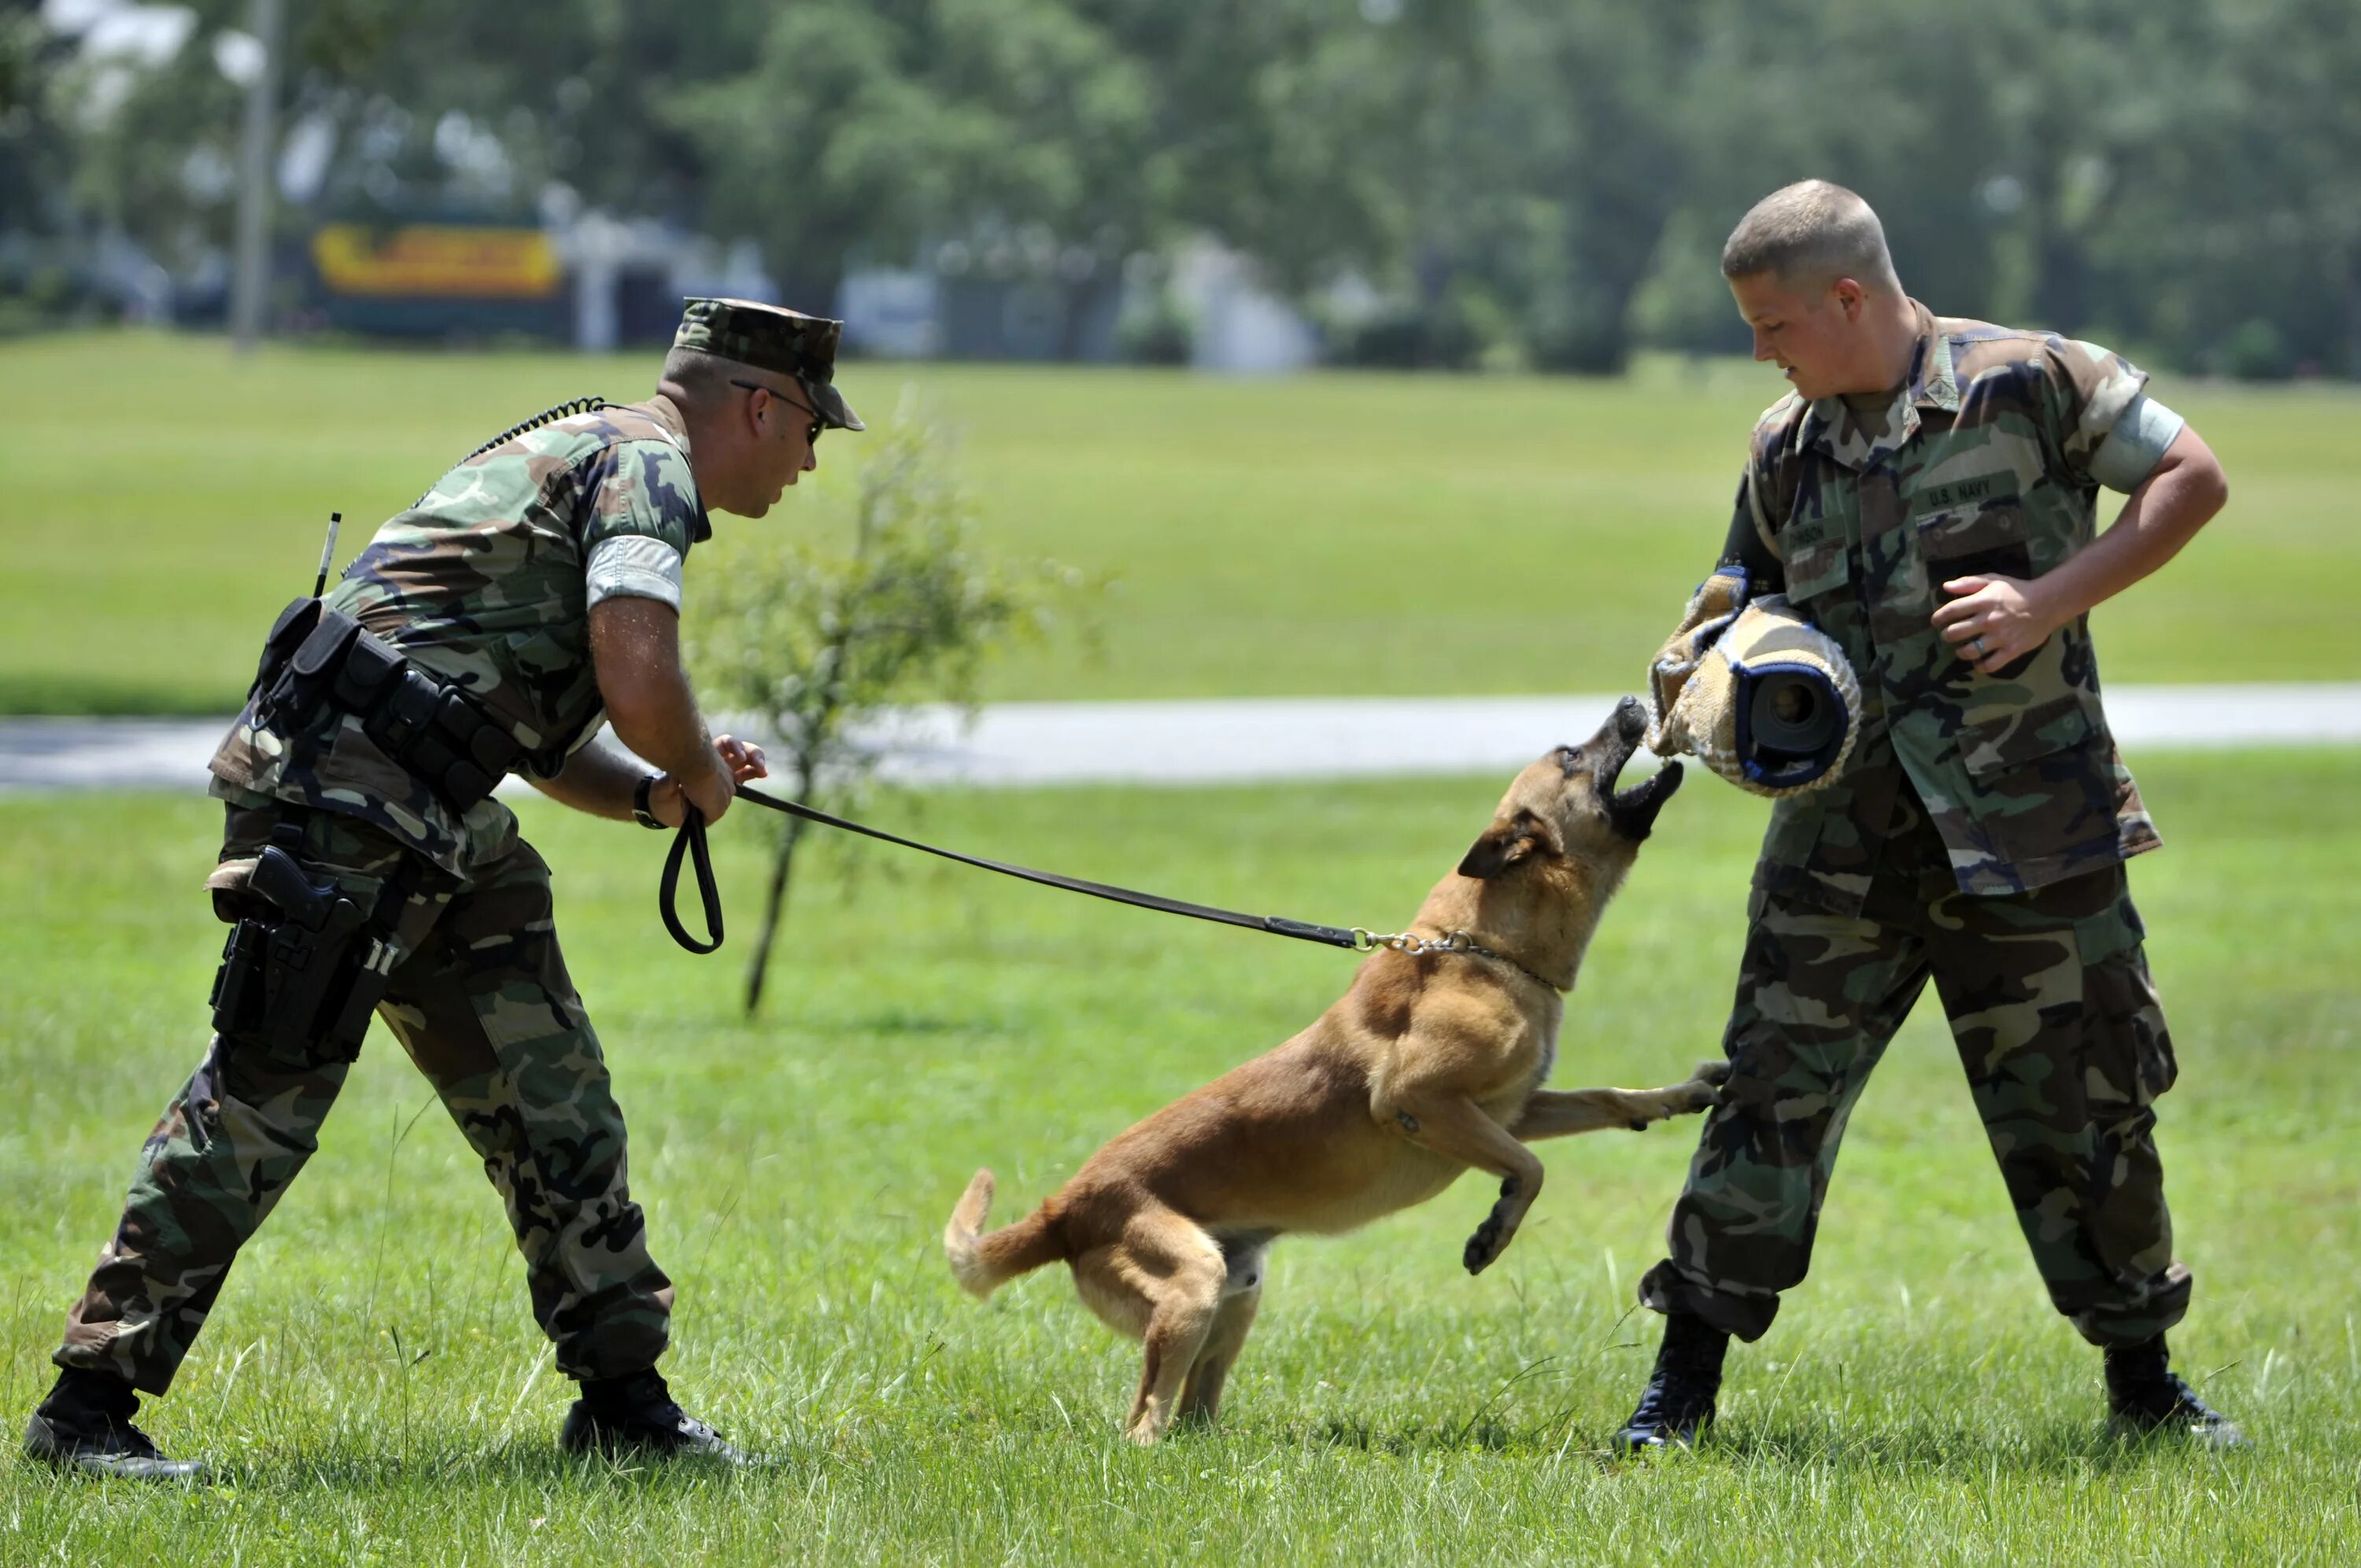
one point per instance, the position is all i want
(1813, 232)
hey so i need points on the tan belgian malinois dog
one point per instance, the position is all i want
(1431, 1063)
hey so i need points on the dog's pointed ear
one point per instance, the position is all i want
(1507, 842)
(1487, 856)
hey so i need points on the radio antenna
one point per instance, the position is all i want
(327, 554)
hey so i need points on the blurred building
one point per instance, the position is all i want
(630, 275)
(1240, 325)
(436, 274)
(993, 301)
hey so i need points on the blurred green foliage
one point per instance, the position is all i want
(1525, 182)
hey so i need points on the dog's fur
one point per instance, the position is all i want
(1429, 1064)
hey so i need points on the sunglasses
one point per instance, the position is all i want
(811, 437)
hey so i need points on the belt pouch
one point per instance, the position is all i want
(369, 669)
(296, 695)
(287, 633)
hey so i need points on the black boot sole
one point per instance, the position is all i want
(84, 1457)
(2221, 1436)
(1657, 1440)
(582, 1435)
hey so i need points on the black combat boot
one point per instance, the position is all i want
(2145, 1396)
(634, 1417)
(85, 1424)
(1678, 1402)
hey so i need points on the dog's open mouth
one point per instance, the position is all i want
(1634, 811)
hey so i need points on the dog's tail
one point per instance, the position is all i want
(986, 1262)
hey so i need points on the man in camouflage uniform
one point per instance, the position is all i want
(1925, 497)
(540, 581)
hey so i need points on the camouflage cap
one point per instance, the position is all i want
(771, 337)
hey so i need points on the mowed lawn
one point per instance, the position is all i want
(372, 1382)
(1323, 535)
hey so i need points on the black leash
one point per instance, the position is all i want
(691, 842)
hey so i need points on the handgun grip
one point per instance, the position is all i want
(279, 879)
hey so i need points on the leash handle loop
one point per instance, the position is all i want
(690, 842)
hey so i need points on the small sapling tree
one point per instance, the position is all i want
(819, 634)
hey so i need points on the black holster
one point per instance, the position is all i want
(317, 658)
(300, 975)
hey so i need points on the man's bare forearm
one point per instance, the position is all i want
(635, 649)
(2162, 515)
(668, 729)
(598, 779)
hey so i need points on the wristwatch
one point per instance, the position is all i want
(641, 812)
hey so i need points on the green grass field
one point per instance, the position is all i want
(1332, 534)
(1918, 1402)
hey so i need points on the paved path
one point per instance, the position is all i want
(1218, 741)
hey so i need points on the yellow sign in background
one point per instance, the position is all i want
(436, 261)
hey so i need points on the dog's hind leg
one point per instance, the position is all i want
(1166, 1274)
(1201, 1396)
(1109, 1287)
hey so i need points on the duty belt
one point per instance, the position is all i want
(318, 658)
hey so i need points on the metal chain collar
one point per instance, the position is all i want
(1364, 941)
(1409, 942)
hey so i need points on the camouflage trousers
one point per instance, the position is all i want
(480, 999)
(2064, 1043)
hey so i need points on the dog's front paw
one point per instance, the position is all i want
(1704, 1086)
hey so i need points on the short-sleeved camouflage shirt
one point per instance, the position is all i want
(487, 582)
(1988, 460)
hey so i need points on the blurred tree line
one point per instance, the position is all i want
(1518, 182)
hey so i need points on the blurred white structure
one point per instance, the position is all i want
(893, 312)
(1242, 327)
(630, 274)
(122, 272)
(967, 307)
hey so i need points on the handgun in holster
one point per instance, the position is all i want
(302, 972)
